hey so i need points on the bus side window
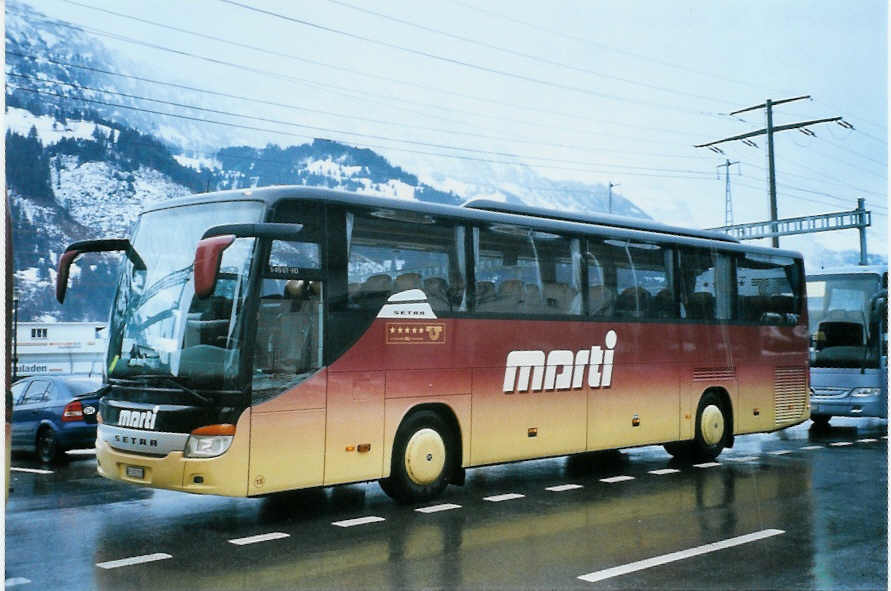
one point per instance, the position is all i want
(391, 252)
(633, 280)
(769, 289)
(521, 271)
(699, 290)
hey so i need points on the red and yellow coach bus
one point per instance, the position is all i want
(291, 337)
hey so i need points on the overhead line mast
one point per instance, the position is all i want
(769, 131)
(728, 204)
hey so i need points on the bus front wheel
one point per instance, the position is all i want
(423, 458)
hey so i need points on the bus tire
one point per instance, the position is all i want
(423, 458)
(713, 429)
(681, 450)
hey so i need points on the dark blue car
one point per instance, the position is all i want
(52, 414)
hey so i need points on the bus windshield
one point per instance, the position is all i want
(841, 324)
(157, 326)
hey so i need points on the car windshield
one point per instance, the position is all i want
(158, 327)
(841, 320)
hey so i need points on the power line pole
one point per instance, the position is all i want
(728, 204)
(611, 185)
(769, 131)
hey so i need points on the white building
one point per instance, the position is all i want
(50, 348)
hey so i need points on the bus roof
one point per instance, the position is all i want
(851, 270)
(601, 219)
(629, 228)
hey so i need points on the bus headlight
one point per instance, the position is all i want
(209, 441)
(864, 392)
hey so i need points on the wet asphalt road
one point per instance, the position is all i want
(817, 512)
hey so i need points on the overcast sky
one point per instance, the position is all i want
(602, 92)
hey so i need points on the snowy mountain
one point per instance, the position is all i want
(81, 163)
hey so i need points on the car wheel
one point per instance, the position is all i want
(47, 447)
(712, 428)
(423, 458)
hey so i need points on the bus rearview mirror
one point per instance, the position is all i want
(208, 255)
(78, 248)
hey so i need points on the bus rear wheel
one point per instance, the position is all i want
(423, 458)
(712, 427)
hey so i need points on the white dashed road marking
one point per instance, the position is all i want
(276, 535)
(358, 521)
(868, 440)
(81, 452)
(563, 487)
(743, 459)
(681, 555)
(810, 447)
(780, 452)
(438, 508)
(133, 560)
(841, 443)
(504, 497)
(15, 581)
(664, 471)
(615, 479)
(31, 470)
(707, 465)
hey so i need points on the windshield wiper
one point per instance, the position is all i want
(170, 380)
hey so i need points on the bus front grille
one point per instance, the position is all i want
(790, 394)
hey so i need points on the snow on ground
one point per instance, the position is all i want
(448, 185)
(397, 189)
(106, 199)
(330, 168)
(49, 129)
(198, 162)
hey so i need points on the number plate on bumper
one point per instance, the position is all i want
(136, 472)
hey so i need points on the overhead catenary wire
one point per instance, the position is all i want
(383, 147)
(466, 64)
(353, 71)
(525, 157)
(365, 97)
(528, 56)
(264, 102)
(811, 199)
(606, 47)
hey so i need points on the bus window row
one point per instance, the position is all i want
(512, 270)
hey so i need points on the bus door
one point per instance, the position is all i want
(288, 383)
(707, 293)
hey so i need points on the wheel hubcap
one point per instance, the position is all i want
(425, 456)
(711, 425)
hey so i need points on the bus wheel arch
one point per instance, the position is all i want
(417, 470)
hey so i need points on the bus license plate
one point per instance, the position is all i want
(136, 472)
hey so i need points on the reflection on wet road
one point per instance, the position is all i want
(791, 510)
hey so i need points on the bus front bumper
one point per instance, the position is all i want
(223, 475)
(848, 406)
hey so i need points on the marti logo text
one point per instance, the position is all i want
(138, 419)
(560, 369)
